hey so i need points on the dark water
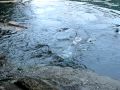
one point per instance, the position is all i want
(64, 33)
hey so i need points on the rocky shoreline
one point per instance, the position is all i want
(58, 78)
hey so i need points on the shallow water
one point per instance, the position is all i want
(65, 33)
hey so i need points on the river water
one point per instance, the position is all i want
(79, 34)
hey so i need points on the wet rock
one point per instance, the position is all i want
(32, 84)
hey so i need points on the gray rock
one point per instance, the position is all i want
(32, 84)
(8, 86)
(66, 78)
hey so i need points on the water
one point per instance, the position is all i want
(112, 4)
(103, 57)
(64, 33)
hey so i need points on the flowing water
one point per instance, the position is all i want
(78, 34)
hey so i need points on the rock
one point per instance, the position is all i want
(60, 78)
(32, 84)
(66, 78)
(8, 86)
(8, 1)
(16, 24)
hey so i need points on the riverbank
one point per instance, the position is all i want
(59, 78)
